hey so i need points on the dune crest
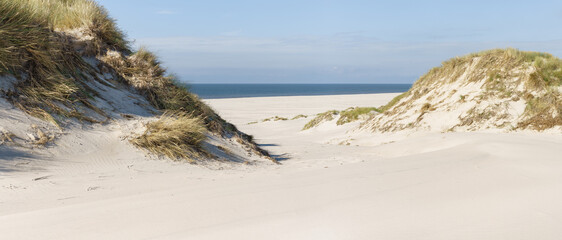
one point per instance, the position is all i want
(498, 90)
(65, 65)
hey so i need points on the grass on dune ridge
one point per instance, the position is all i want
(43, 60)
(498, 67)
(353, 114)
(175, 135)
(39, 47)
(346, 116)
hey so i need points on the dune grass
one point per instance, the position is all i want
(299, 116)
(393, 102)
(44, 60)
(6, 137)
(353, 114)
(40, 45)
(275, 119)
(64, 15)
(502, 72)
(143, 71)
(175, 135)
(549, 68)
(321, 117)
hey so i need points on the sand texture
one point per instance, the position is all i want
(334, 182)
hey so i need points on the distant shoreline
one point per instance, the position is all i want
(221, 91)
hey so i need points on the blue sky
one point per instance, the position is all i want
(351, 41)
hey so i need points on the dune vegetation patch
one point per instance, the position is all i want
(60, 51)
(44, 60)
(480, 91)
(346, 116)
(320, 118)
(353, 114)
(175, 135)
(275, 119)
(6, 137)
(299, 117)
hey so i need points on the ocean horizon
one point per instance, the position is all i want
(217, 91)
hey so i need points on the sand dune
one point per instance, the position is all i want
(430, 186)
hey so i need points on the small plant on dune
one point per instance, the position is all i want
(6, 137)
(353, 114)
(540, 111)
(175, 135)
(143, 71)
(321, 117)
(276, 118)
(393, 102)
(299, 116)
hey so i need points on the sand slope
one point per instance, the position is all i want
(431, 186)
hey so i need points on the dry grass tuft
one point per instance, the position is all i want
(42, 138)
(543, 112)
(299, 117)
(353, 114)
(393, 102)
(64, 15)
(175, 135)
(321, 117)
(275, 119)
(50, 71)
(143, 71)
(6, 137)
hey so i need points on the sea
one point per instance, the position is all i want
(215, 91)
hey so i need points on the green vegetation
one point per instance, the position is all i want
(321, 117)
(43, 43)
(143, 71)
(61, 15)
(276, 118)
(540, 111)
(549, 68)
(175, 135)
(299, 116)
(393, 102)
(353, 114)
(345, 116)
(43, 59)
(502, 72)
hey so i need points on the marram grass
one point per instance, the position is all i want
(540, 74)
(175, 135)
(43, 43)
(42, 59)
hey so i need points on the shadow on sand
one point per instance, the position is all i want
(12, 160)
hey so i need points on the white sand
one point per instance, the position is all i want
(428, 186)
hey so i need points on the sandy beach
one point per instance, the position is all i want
(427, 186)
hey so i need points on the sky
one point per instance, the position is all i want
(344, 41)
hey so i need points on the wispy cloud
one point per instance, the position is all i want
(341, 56)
